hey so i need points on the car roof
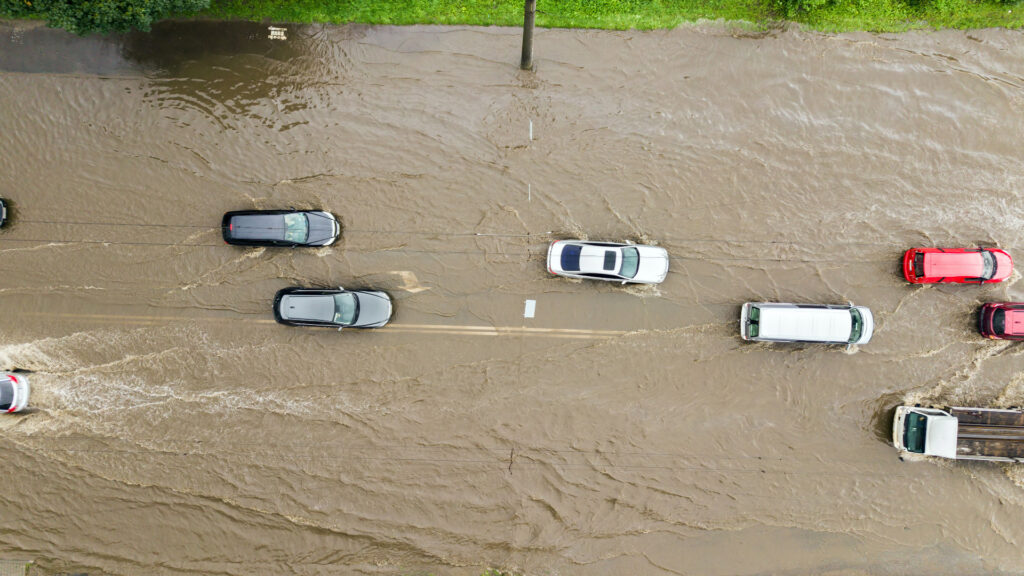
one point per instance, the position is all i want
(593, 260)
(316, 307)
(1014, 322)
(257, 227)
(817, 324)
(945, 264)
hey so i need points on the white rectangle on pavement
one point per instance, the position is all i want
(531, 307)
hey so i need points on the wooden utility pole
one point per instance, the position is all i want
(531, 8)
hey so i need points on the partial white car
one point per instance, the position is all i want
(14, 391)
(609, 261)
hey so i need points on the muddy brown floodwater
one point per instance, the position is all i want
(176, 429)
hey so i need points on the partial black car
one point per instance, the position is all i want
(332, 307)
(280, 228)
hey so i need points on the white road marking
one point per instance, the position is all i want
(450, 329)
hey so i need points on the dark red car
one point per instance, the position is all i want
(961, 265)
(1002, 320)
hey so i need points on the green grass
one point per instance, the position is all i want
(606, 14)
(825, 15)
(833, 15)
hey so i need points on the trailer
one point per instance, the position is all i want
(960, 433)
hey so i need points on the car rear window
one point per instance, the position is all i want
(6, 394)
(919, 264)
(571, 258)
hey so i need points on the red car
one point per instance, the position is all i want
(961, 265)
(1002, 320)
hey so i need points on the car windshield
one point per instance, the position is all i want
(914, 436)
(296, 228)
(571, 258)
(630, 262)
(857, 325)
(999, 321)
(345, 307)
(988, 261)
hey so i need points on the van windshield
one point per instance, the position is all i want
(914, 432)
(857, 325)
(753, 316)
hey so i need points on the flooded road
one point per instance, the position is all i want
(177, 429)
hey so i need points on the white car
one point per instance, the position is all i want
(13, 392)
(609, 261)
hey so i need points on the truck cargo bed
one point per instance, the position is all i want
(984, 434)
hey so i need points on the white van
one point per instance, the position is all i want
(827, 323)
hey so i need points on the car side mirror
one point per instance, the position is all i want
(341, 328)
(623, 282)
(340, 288)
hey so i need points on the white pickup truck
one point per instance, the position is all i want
(960, 433)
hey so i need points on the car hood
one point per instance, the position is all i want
(1004, 265)
(653, 264)
(322, 228)
(374, 309)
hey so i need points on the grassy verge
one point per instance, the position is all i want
(605, 14)
(831, 15)
(826, 15)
